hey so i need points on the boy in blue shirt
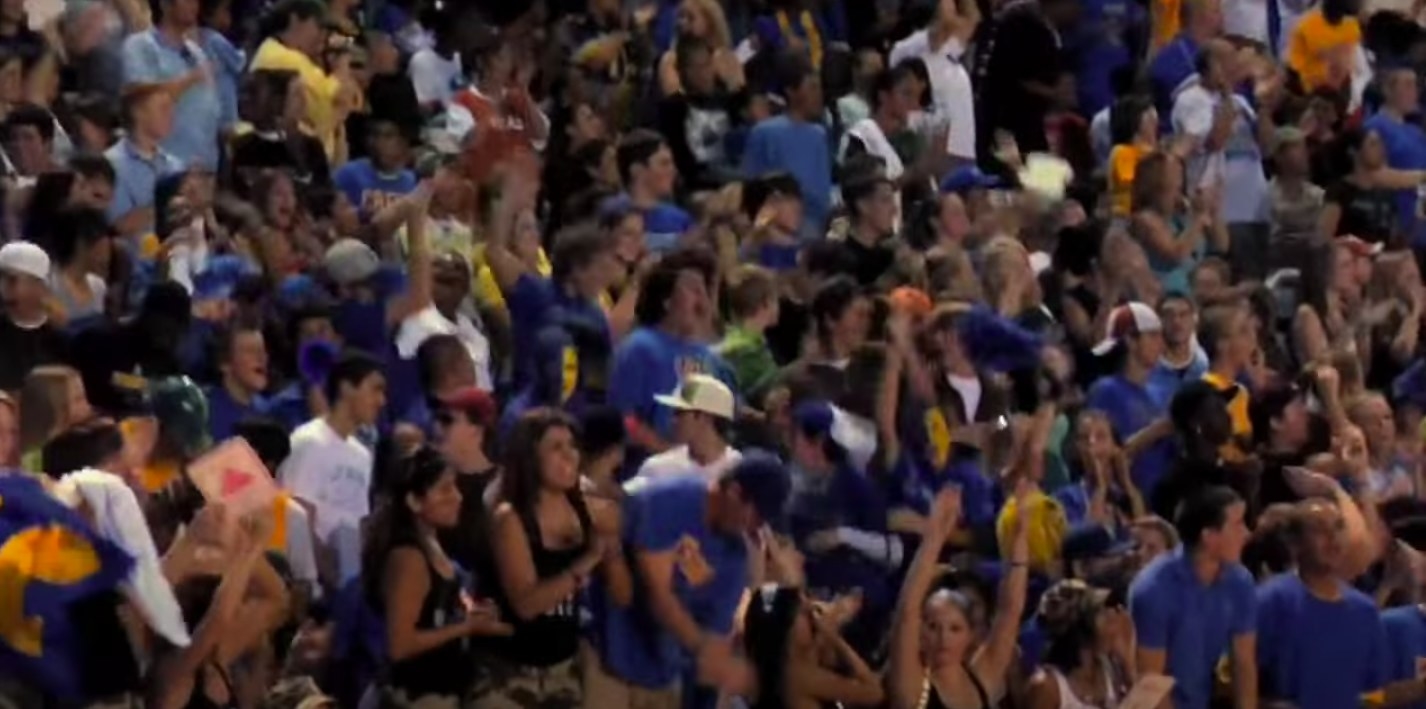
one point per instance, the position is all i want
(673, 312)
(686, 536)
(1129, 398)
(647, 170)
(1197, 603)
(796, 142)
(375, 182)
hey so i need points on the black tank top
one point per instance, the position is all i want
(199, 698)
(445, 670)
(553, 637)
(932, 697)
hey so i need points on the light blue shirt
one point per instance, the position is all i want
(135, 176)
(228, 62)
(150, 58)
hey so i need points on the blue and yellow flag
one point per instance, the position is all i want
(49, 558)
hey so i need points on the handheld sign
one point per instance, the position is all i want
(1148, 693)
(234, 475)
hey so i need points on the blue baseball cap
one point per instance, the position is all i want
(764, 482)
(1092, 541)
(965, 179)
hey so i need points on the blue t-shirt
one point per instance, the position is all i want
(371, 191)
(710, 574)
(781, 144)
(1102, 43)
(562, 345)
(664, 223)
(225, 412)
(1405, 630)
(649, 362)
(1405, 145)
(1130, 408)
(1171, 67)
(1314, 653)
(1195, 624)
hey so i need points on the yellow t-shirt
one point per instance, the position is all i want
(487, 291)
(322, 88)
(1233, 451)
(1321, 53)
(1123, 160)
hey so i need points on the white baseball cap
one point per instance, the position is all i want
(26, 259)
(1126, 321)
(700, 392)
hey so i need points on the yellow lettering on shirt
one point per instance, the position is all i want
(688, 557)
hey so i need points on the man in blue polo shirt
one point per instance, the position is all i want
(1131, 399)
(166, 56)
(686, 536)
(1193, 606)
(1403, 139)
(139, 159)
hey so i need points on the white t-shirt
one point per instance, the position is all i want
(333, 475)
(950, 86)
(969, 389)
(677, 461)
(1239, 165)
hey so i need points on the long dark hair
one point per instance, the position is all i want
(520, 481)
(394, 523)
(767, 632)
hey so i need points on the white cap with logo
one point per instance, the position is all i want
(700, 392)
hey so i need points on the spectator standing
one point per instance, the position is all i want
(1176, 61)
(329, 468)
(294, 35)
(168, 55)
(27, 337)
(140, 160)
(1195, 604)
(1227, 157)
(796, 142)
(673, 311)
(703, 412)
(942, 46)
(647, 169)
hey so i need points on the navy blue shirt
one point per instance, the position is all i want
(1171, 67)
(225, 412)
(562, 345)
(1193, 623)
(844, 498)
(1318, 654)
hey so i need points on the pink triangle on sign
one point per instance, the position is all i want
(234, 481)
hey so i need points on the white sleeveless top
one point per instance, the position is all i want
(1068, 699)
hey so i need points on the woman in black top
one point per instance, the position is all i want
(545, 550)
(413, 583)
(1364, 202)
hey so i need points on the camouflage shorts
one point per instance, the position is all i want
(505, 686)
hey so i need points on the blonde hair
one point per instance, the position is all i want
(44, 404)
(719, 35)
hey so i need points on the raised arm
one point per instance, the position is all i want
(994, 657)
(906, 674)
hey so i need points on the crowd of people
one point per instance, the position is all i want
(1033, 354)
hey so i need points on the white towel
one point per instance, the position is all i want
(117, 518)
